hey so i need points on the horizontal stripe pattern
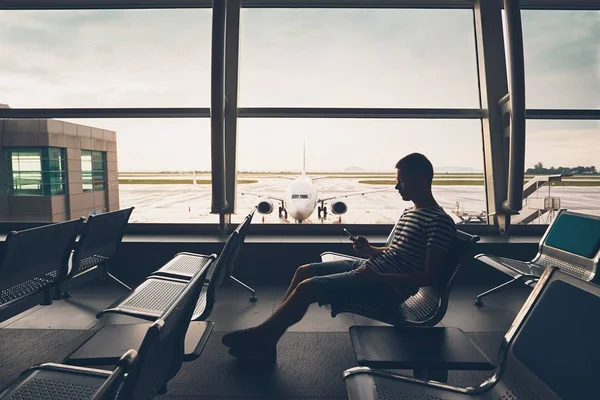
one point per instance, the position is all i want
(416, 230)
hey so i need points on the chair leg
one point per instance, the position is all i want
(57, 293)
(47, 297)
(110, 276)
(478, 301)
(248, 288)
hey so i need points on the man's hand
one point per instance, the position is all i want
(362, 246)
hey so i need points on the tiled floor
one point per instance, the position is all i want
(233, 310)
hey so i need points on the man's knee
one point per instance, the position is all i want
(304, 272)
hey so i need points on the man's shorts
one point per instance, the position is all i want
(336, 281)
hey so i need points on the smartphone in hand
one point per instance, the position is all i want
(351, 236)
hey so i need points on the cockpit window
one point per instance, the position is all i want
(300, 196)
(304, 196)
(295, 196)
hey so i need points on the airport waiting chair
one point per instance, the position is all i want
(425, 308)
(183, 265)
(160, 352)
(99, 242)
(31, 264)
(51, 381)
(571, 243)
(148, 300)
(547, 354)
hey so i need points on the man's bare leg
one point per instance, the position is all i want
(290, 312)
(303, 272)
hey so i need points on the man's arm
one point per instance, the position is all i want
(364, 248)
(435, 261)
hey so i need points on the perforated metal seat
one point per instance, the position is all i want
(545, 355)
(571, 243)
(425, 308)
(183, 265)
(52, 381)
(151, 298)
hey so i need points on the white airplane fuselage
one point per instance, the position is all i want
(301, 198)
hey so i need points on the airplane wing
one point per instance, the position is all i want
(355, 194)
(261, 195)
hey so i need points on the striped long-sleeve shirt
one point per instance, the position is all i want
(416, 230)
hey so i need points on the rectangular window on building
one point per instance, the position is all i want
(37, 171)
(93, 170)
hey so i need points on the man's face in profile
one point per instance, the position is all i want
(403, 185)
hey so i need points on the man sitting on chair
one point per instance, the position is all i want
(389, 276)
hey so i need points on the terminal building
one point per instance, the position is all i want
(53, 171)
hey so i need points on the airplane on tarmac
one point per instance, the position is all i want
(300, 199)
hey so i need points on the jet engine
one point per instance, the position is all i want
(339, 207)
(265, 206)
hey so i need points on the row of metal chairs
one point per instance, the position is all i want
(37, 261)
(139, 374)
(147, 355)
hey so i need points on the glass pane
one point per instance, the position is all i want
(357, 58)
(555, 148)
(105, 58)
(562, 58)
(86, 161)
(354, 156)
(26, 160)
(155, 160)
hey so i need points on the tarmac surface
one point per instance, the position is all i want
(181, 203)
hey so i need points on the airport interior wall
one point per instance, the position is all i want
(274, 262)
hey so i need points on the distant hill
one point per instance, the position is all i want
(354, 169)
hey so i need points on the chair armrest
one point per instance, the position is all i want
(67, 368)
(332, 256)
(407, 379)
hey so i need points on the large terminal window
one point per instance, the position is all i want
(164, 168)
(562, 64)
(357, 88)
(105, 58)
(359, 155)
(114, 59)
(357, 58)
(362, 59)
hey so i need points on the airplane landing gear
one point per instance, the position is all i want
(282, 211)
(322, 210)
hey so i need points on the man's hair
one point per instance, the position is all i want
(416, 164)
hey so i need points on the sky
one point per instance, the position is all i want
(301, 58)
